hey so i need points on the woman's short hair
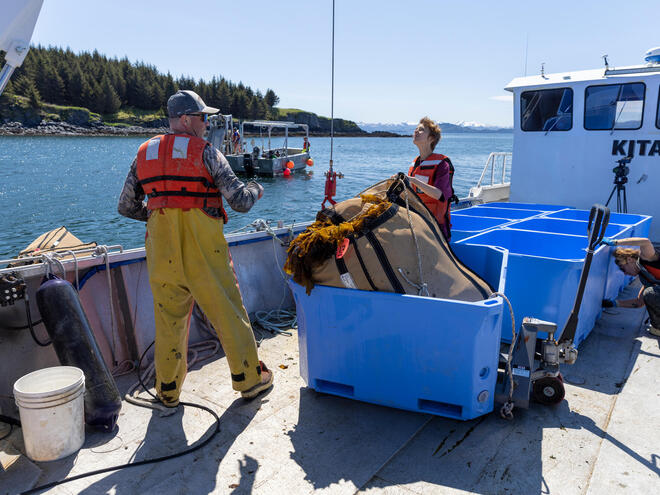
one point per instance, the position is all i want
(622, 255)
(434, 130)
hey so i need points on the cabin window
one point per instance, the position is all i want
(614, 106)
(546, 110)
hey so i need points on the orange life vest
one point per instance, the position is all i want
(650, 272)
(172, 173)
(426, 171)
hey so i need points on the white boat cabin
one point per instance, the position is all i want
(571, 128)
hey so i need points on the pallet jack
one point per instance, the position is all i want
(530, 368)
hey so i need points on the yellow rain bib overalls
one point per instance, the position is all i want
(188, 260)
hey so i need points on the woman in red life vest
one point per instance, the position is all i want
(644, 262)
(432, 174)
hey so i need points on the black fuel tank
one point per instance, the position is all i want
(75, 345)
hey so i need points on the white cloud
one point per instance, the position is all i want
(506, 98)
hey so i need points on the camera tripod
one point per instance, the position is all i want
(620, 180)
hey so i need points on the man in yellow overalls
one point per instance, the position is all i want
(184, 179)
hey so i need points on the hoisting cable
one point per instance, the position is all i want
(506, 411)
(331, 176)
(332, 88)
(201, 443)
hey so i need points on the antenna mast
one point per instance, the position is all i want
(526, 50)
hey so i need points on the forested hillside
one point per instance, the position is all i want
(107, 85)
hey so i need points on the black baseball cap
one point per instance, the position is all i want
(185, 102)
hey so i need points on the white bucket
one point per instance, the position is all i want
(51, 405)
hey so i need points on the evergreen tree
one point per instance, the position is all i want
(91, 95)
(223, 97)
(156, 97)
(253, 109)
(9, 89)
(111, 101)
(238, 105)
(117, 81)
(53, 86)
(22, 85)
(32, 93)
(75, 86)
(97, 82)
(271, 98)
(169, 88)
(38, 73)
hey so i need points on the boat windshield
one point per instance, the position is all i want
(614, 106)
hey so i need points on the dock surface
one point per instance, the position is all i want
(603, 438)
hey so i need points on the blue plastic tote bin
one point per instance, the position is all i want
(639, 226)
(615, 279)
(527, 206)
(641, 223)
(463, 226)
(505, 213)
(571, 227)
(543, 272)
(417, 353)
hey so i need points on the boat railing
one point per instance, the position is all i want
(57, 261)
(495, 159)
(497, 189)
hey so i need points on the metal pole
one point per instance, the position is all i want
(5, 74)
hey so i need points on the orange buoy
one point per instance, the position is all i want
(289, 164)
(310, 162)
(287, 172)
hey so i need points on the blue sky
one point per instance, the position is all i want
(394, 61)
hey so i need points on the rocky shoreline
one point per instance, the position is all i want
(18, 118)
(65, 129)
(50, 128)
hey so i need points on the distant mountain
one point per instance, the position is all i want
(407, 128)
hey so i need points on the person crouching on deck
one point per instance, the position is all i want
(432, 174)
(184, 179)
(645, 263)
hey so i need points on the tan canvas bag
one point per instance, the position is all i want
(367, 243)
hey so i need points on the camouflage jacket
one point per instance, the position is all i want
(239, 196)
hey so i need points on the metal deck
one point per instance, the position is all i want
(604, 438)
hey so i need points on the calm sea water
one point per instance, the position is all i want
(47, 182)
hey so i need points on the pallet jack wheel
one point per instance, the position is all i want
(549, 390)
